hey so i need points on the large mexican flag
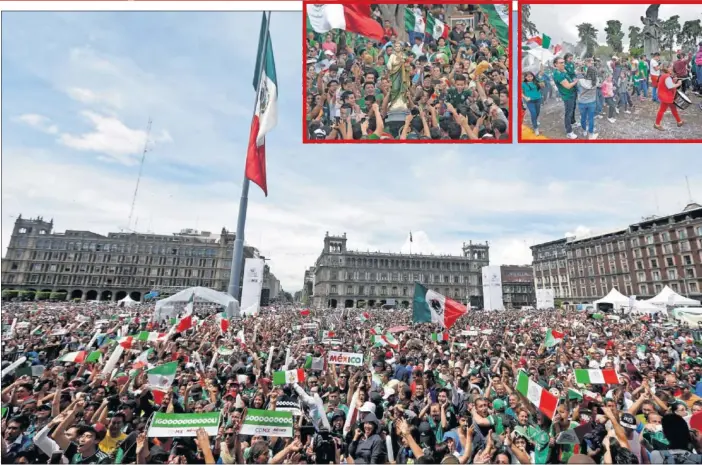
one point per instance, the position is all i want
(168, 425)
(498, 18)
(432, 307)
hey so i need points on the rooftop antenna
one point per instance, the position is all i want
(689, 192)
(141, 168)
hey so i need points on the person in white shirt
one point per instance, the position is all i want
(418, 47)
(655, 74)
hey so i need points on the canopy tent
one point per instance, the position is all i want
(669, 297)
(643, 306)
(127, 302)
(169, 307)
(615, 298)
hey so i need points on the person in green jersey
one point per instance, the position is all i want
(566, 88)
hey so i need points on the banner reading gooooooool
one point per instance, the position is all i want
(345, 358)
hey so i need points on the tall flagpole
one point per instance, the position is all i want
(238, 255)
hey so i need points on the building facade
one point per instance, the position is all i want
(640, 260)
(308, 286)
(345, 278)
(517, 286)
(90, 266)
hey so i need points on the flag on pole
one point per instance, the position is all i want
(553, 337)
(436, 27)
(162, 376)
(590, 376)
(439, 337)
(266, 113)
(545, 41)
(537, 395)
(348, 17)
(168, 425)
(414, 21)
(574, 394)
(498, 19)
(432, 307)
(365, 316)
(410, 236)
(387, 339)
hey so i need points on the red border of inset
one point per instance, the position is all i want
(517, 88)
(510, 48)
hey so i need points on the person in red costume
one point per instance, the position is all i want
(667, 87)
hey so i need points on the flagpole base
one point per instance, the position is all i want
(395, 121)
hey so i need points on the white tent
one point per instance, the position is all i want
(169, 307)
(127, 301)
(643, 306)
(616, 298)
(669, 297)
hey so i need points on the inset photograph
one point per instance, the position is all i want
(611, 72)
(407, 73)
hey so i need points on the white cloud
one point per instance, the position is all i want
(580, 231)
(112, 137)
(42, 123)
(90, 97)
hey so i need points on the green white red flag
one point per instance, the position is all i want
(553, 337)
(594, 376)
(266, 114)
(438, 337)
(288, 377)
(432, 307)
(186, 322)
(162, 376)
(541, 398)
(82, 356)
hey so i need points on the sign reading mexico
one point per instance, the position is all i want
(345, 358)
(268, 423)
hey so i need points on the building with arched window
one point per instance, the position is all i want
(347, 278)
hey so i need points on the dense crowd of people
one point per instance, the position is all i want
(451, 87)
(600, 89)
(420, 395)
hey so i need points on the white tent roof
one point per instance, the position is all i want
(643, 306)
(614, 297)
(166, 307)
(127, 301)
(669, 297)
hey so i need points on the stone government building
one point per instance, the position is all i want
(90, 266)
(639, 259)
(352, 279)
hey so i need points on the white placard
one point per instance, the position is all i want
(492, 288)
(253, 283)
(345, 358)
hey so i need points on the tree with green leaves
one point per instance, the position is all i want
(669, 32)
(615, 35)
(528, 28)
(588, 37)
(635, 38)
(687, 37)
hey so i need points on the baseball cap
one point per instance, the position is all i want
(628, 420)
(388, 392)
(498, 404)
(368, 407)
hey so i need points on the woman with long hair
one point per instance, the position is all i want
(667, 88)
(587, 98)
(532, 97)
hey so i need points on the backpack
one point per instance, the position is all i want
(684, 458)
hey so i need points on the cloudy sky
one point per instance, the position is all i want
(560, 22)
(78, 89)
